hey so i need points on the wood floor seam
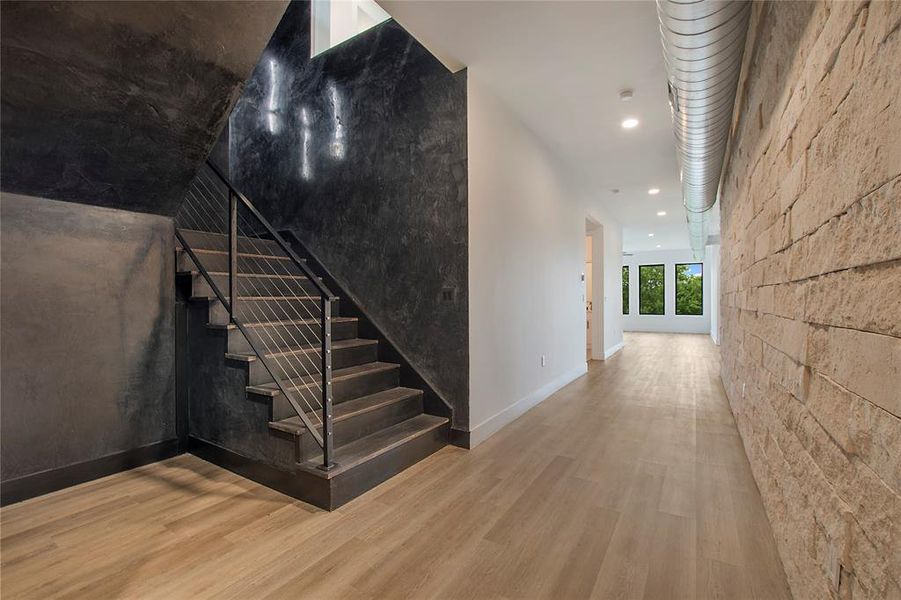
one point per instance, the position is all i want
(630, 482)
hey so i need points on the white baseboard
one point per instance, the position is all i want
(492, 425)
(613, 350)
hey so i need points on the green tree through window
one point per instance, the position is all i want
(650, 289)
(625, 290)
(690, 289)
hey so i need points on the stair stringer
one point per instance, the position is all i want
(227, 428)
(219, 409)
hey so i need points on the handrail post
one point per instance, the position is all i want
(232, 254)
(327, 433)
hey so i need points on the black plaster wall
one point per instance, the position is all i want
(87, 348)
(116, 103)
(362, 152)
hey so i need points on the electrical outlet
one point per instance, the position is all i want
(543, 360)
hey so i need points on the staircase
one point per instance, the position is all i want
(283, 389)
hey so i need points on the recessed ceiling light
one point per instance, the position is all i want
(630, 123)
(654, 191)
(661, 213)
(650, 235)
(658, 245)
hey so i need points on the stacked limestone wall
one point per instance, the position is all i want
(811, 289)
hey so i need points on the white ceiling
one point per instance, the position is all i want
(560, 66)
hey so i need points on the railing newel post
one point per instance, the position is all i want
(326, 350)
(232, 255)
(229, 299)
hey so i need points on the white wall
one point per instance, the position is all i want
(526, 258)
(670, 321)
(612, 286)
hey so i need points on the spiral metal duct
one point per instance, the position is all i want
(703, 41)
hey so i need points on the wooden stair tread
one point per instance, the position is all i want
(217, 243)
(245, 274)
(349, 409)
(244, 254)
(366, 448)
(336, 345)
(281, 322)
(271, 389)
(294, 297)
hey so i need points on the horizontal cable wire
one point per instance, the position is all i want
(207, 207)
(286, 371)
(269, 264)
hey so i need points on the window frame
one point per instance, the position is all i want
(324, 25)
(676, 289)
(663, 291)
(627, 291)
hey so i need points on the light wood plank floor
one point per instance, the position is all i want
(629, 483)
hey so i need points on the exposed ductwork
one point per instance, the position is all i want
(703, 41)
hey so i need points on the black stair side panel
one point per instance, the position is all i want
(219, 410)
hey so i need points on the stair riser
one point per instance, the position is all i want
(343, 390)
(255, 311)
(246, 264)
(271, 334)
(254, 286)
(328, 494)
(354, 428)
(351, 484)
(214, 241)
(295, 363)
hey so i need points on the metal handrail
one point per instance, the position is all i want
(326, 439)
(271, 231)
(210, 210)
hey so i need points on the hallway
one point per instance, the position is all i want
(630, 482)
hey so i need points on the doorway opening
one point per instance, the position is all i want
(593, 281)
(586, 294)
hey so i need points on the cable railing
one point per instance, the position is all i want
(270, 294)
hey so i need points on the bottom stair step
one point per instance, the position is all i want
(358, 454)
(362, 464)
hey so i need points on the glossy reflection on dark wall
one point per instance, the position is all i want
(362, 152)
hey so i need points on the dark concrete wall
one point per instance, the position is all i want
(87, 347)
(116, 103)
(362, 151)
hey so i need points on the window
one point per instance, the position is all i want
(650, 289)
(690, 289)
(625, 290)
(335, 21)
